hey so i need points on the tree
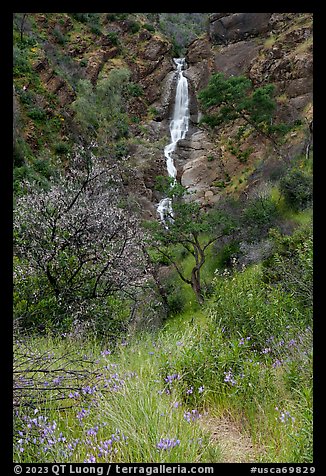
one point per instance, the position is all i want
(194, 230)
(76, 248)
(227, 99)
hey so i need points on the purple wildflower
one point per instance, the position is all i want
(73, 395)
(61, 438)
(266, 350)
(192, 415)
(106, 352)
(170, 378)
(167, 443)
(285, 416)
(277, 363)
(229, 377)
(201, 389)
(89, 390)
(93, 431)
(82, 414)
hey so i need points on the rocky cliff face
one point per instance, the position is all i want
(268, 48)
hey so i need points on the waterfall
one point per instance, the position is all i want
(178, 128)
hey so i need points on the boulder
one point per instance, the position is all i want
(198, 176)
(234, 27)
(199, 74)
(155, 48)
(198, 50)
(235, 59)
(153, 83)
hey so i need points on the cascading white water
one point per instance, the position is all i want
(178, 128)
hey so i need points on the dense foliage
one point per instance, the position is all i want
(97, 378)
(76, 248)
(101, 110)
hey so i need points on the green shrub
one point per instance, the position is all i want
(149, 27)
(176, 302)
(134, 26)
(135, 90)
(112, 36)
(43, 167)
(121, 150)
(261, 211)
(21, 64)
(152, 111)
(37, 113)
(96, 29)
(116, 16)
(244, 305)
(21, 152)
(27, 97)
(219, 183)
(62, 148)
(259, 216)
(297, 189)
(86, 17)
(60, 37)
(291, 264)
(102, 108)
(83, 62)
(121, 127)
(226, 254)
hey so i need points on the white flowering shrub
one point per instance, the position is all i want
(76, 250)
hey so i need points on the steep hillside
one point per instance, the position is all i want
(52, 53)
(163, 244)
(269, 48)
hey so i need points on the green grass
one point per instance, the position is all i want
(137, 402)
(138, 408)
(301, 217)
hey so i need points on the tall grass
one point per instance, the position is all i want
(249, 354)
(120, 413)
(252, 357)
